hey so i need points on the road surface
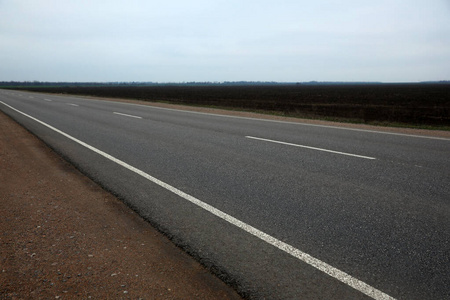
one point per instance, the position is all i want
(278, 210)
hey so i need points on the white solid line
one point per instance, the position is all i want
(316, 263)
(308, 147)
(131, 116)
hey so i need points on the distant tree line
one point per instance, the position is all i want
(189, 83)
(134, 83)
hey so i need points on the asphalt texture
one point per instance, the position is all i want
(385, 221)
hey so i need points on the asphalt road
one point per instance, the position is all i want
(278, 210)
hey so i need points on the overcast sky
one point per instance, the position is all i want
(233, 40)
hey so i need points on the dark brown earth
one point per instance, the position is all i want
(246, 114)
(62, 236)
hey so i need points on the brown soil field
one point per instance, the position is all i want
(413, 105)
(244, 114)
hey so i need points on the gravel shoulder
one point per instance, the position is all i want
(62, 236)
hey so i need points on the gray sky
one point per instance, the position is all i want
(207, 40)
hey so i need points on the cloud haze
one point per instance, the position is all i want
(173, 40)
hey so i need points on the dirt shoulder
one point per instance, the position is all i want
(62, 236)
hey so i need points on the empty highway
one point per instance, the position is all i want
(278, 210)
